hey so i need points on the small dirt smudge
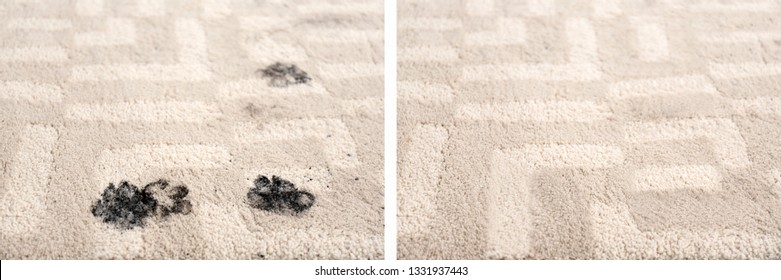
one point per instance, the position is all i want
(284, 75)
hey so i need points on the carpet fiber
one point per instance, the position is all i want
(183, 129)
(589, 129)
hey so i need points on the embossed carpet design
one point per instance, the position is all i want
(589, 129)
(155, 129)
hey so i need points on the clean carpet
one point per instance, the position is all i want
(589, 129)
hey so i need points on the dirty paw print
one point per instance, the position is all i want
(279, 195)
(284, 75)
(126, 206)
(170, 199)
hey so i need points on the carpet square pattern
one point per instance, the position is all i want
(596, 129)
(178, 129)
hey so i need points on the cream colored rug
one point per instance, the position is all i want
(590, 129)
(159, 129)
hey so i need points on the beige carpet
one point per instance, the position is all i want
(97, 92)
(590, 129)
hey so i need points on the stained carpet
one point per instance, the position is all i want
(191, 129)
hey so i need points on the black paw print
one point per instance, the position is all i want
(279, 195)
(170, 199)
(284, 75)
(124, 206)
(127, 206)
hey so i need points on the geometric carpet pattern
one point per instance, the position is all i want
(96, 92)
(595, 129)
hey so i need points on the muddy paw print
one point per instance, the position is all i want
(127, 206)
(284, 75)
(279, 195)
(170, 199)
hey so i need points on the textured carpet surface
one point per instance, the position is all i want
(590, 129)
(178, 99)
